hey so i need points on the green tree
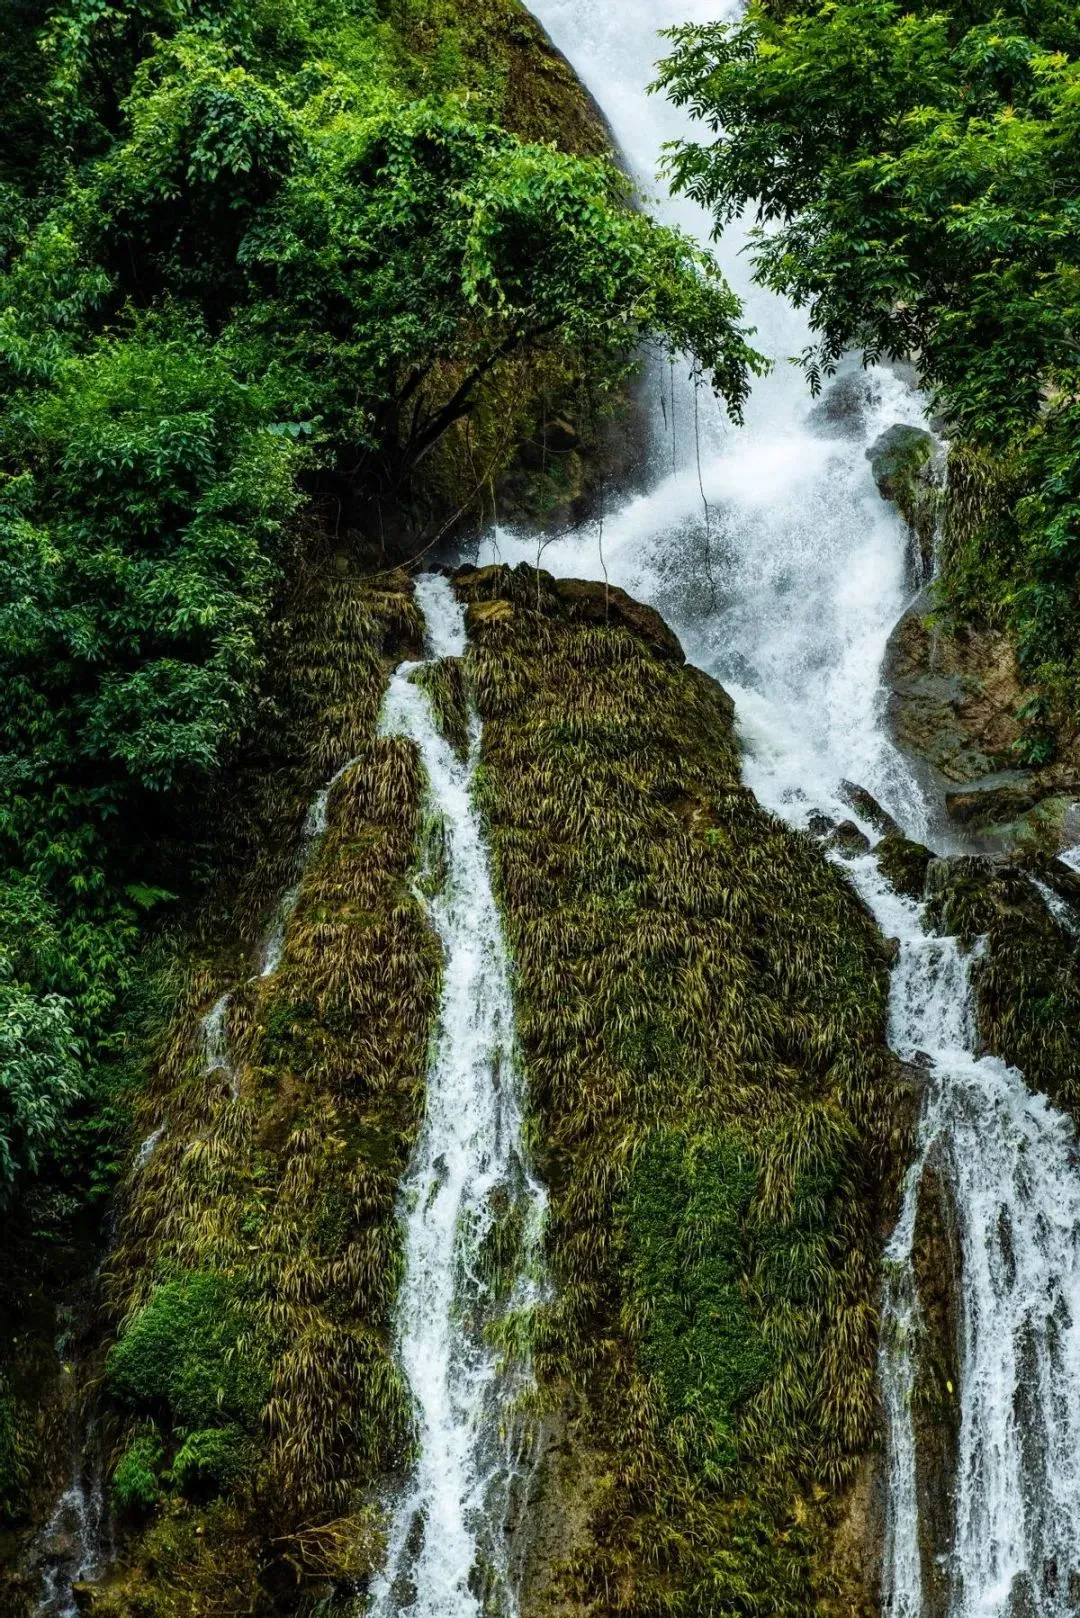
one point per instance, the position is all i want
(241, 268)
(916, 175)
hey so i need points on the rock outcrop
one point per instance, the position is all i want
(690, 1072)
(907, 467)
(955, 704)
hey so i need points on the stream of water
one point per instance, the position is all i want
(450, 1552)
(784, 573)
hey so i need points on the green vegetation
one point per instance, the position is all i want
(915, 174)
(16, 1455)
(135, 1483)
(701, 1008)
(193, 1353)
(261, 266)
(258, 1250)
(701, 1342)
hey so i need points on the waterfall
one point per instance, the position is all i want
(72, 1545)
(809, 575)
(449, 1554)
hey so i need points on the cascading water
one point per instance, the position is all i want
(809, 574)
(72, 1545)
(449, 1551)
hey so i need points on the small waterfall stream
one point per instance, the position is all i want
(449, 1546)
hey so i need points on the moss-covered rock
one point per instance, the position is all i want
(258, 1248)
(904, 463)
(936, 1392)
(701, 1007)
(1027, 973)
(904, 863)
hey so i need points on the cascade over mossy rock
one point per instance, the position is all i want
(1026, 975)
(904, 863)
(936, 1391)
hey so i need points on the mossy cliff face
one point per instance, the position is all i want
(548, 430)
(248, 1394)
(1024, 915)
(701, 1004)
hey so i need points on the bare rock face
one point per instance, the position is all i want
(954, 701)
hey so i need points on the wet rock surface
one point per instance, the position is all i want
(954, 705)
(904, 863)
(867, 807)
(1021, 914)
(907, 466)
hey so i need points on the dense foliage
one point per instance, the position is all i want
(244, 267)
(915, 174)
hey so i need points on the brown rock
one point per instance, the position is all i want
(954, 700)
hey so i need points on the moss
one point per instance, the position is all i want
(701, 1007)
(496, 48)
(685, 1220)
(282, 1198)
(194, 1352)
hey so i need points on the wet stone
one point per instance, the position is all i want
(904, 863)
(849, 840)
(866, 805)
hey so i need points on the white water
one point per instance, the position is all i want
(808, 577)
(73, 1541)
(448, 1546)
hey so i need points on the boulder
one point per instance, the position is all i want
(844, 405)
(596, 603)
(866, 805)
(954, 697)
(847, 839)
(906, 464)
(904, 863)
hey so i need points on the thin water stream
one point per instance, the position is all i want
(809, 574)
(450, 1555)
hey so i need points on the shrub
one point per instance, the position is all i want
(135, 1484)
(685, 1220)
(14, 1458)
(211, 1461)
